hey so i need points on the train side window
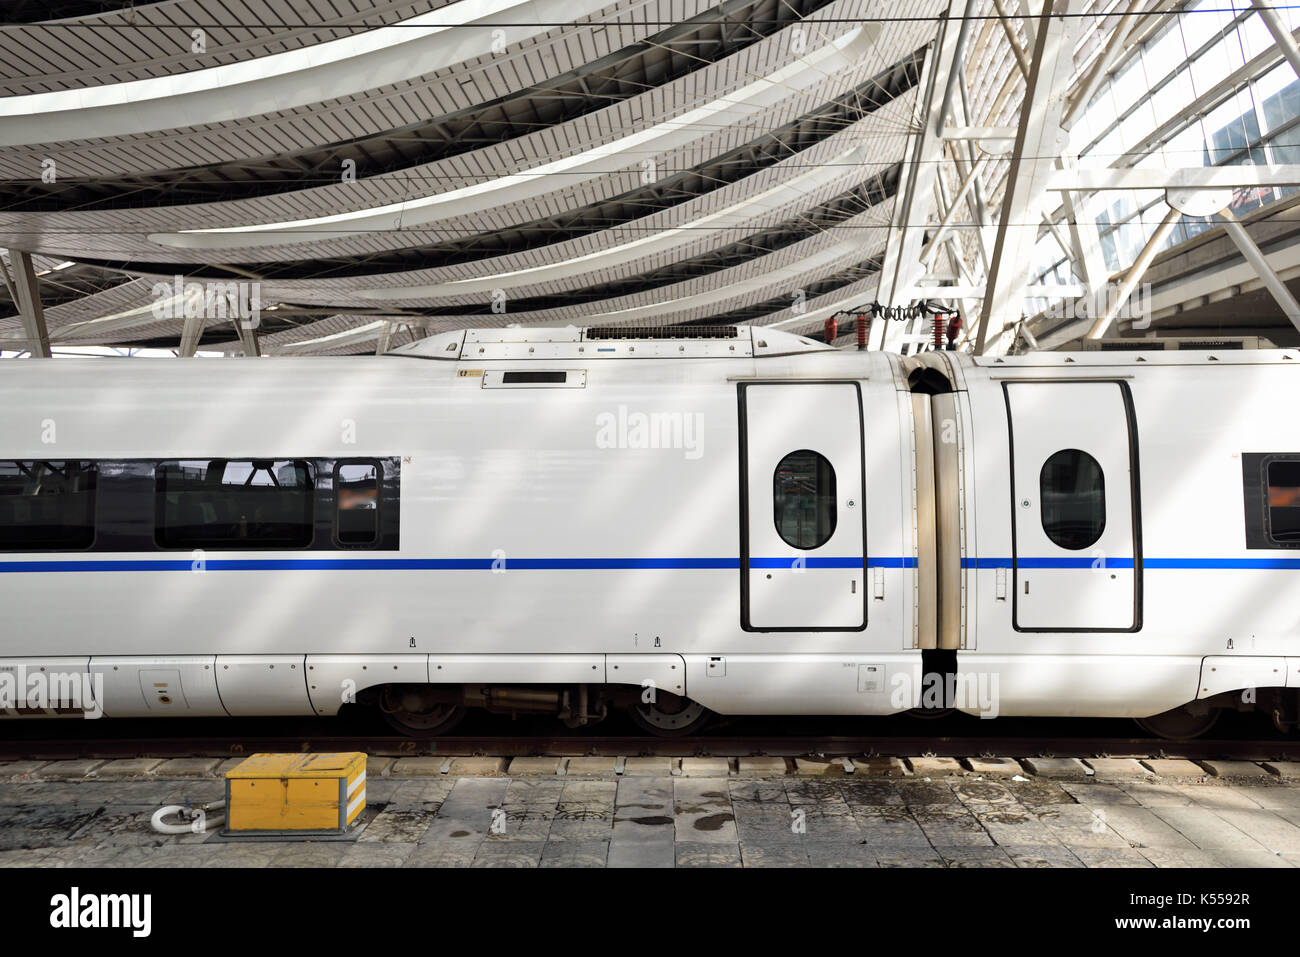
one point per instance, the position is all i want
(356, 503)
(1284, 502)
(803, 493)
(47, 505)
(1072, 493)
(226, 503)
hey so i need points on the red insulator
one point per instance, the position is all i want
(938, 330)
(860, 326)
(831, 330)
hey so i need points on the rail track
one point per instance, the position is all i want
(1242, 737)
(728, 746)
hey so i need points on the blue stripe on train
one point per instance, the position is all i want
(609, 564)
(436, 564)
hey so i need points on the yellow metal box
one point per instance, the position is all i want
(296, 792)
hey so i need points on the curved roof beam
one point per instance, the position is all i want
(713, 224)
(781, 271)
(281, 81)
(843, 53)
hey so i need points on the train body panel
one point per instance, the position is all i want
(696, 525)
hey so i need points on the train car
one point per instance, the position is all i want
(679, 524)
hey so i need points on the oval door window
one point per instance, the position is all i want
(803, 491)
(1072, 491)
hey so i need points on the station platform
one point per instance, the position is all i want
(689, 812)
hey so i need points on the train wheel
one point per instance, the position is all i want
(1179, 724)
(670, 715)
(410, 712)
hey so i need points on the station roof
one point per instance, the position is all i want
(365, 174)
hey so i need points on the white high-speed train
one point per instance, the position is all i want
(565, 521)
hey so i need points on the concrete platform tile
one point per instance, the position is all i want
(641, 854)
(1157, 795)
(757, 853)
(1094, 792)
(1274, 832)
(983, 794)
(951, 826)
(1219, 796)
(517, 854)
(909, 857)
(966, 856)
(410, 792)
(404, 825)
(1143, 827)
(889, 826)
(822, 854)
(1227, 857)
(766, 790)
(1270, 797)
(871, 792)
(1040, 792)
(575, 854)
(1010, 825)
(702, 812)
(917, 791)
(695, 854)
(1078, 826)
(1207, 830)
(1109, 857)
(1041, 855)
(443, 854)
(1178, 857)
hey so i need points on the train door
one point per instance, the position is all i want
(802, 507)
(1076, 562)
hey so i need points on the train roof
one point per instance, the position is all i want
(611, 342)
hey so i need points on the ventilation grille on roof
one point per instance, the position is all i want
(663, 332)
